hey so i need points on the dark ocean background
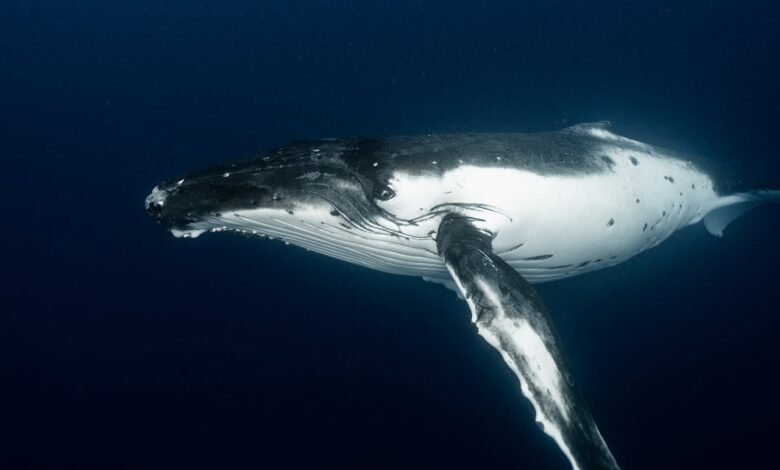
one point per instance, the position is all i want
(122, 347)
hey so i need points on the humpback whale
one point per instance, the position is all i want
(488, 215)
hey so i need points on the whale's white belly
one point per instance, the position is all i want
(550, 227)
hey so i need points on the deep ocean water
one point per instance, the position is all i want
(122, 347)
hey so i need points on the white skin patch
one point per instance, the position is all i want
(315, 228)
(526, 342)
(586, 222)
(156, 197)
(542, 369)
(549, 427)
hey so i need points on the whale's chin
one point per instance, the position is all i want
(193, 233)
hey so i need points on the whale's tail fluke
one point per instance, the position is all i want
(735, 205)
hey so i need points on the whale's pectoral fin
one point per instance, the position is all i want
(511, 317)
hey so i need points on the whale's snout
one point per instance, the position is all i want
(169, 207)
(203, 200)
(155, 201)
(260, 194)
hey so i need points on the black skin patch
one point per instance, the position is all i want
(634, 161)
(644, 228)
(519, 245)
(583, 264)
(637, 201)
(569, 151)
(537, 258)
(610, 162)
(334, 213)
(611, 222)
(693, 186)
(663, 214)
(290, 212)
(669, 179)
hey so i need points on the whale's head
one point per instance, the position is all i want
(291, 193)
(377, 203)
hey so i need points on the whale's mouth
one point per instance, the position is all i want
(168, 204)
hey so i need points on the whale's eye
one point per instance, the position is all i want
(386, 194)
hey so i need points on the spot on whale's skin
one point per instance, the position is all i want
(669, 179)
(645, 227)
(609, 161)
(519, 245)
(611, 222)
(634, 161)
(537, 258)
(637, 201)
(583, 264)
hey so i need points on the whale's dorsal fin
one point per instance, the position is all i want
(589, 126)
(511, 317)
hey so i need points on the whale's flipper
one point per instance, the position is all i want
(511, 317)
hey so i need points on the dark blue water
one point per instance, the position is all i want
(121, 347)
